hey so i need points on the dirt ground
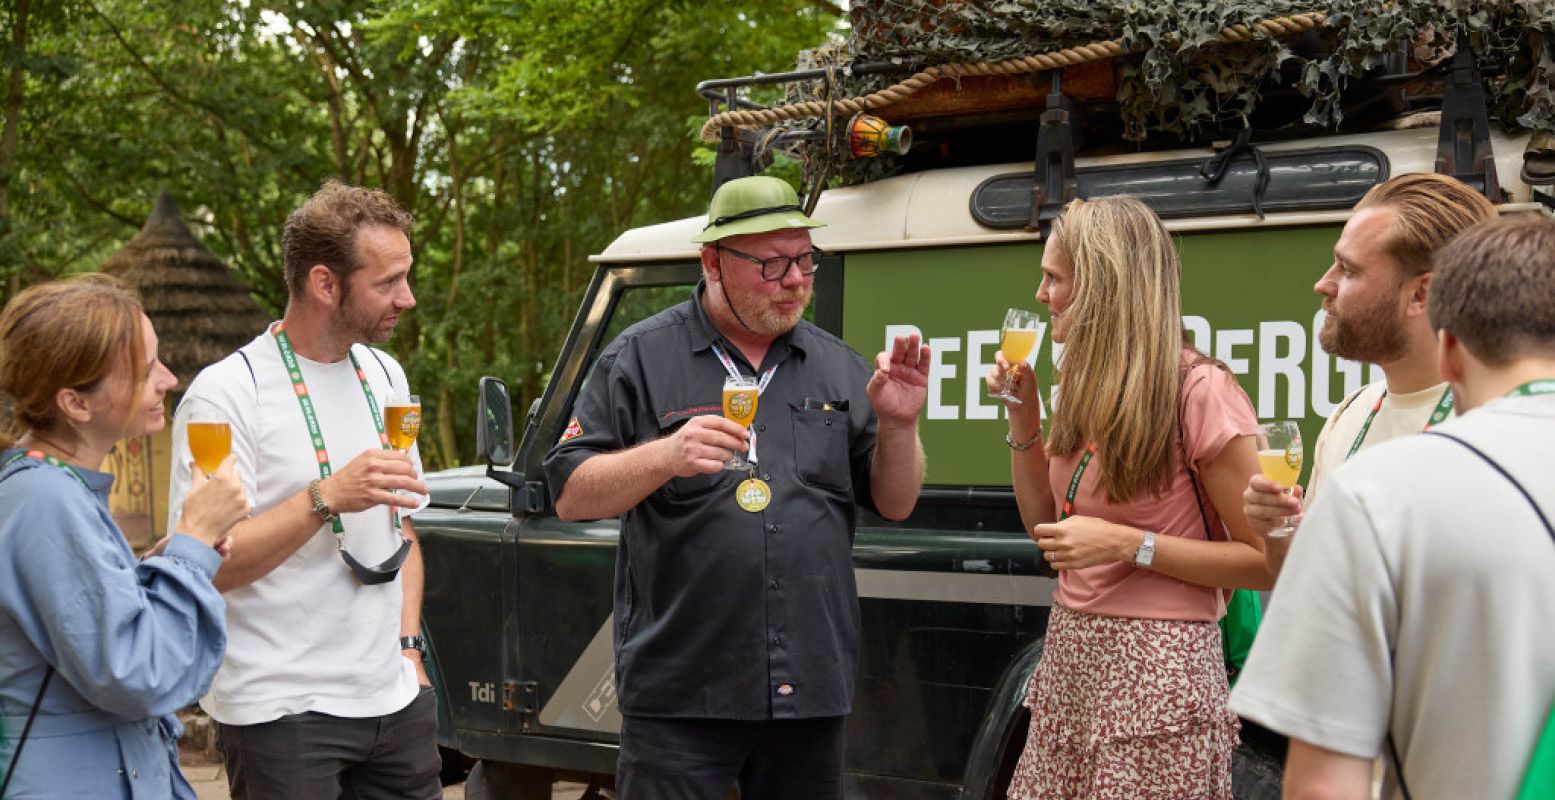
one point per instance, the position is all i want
(210, 780)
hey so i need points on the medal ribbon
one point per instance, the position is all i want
(1074, 483)
(761, 386)
(1533, 388)
(39, 455)
(283, 342)
(1442, 411)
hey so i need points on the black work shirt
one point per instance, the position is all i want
(721, 612)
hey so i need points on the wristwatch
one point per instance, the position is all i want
(416, 643)
(1146, 552)
(319, 506)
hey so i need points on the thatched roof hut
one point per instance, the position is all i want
(200, 310)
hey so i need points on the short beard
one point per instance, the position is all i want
(1373, 334)
(764, 321)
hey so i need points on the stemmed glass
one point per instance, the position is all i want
(402, 421)
(741, 394)
(1017, 338)
(210, 434)
(1280, 456)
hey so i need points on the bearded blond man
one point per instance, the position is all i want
(1375, 295)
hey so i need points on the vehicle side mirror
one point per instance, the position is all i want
(494, 434)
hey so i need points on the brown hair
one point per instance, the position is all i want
(1122, 362)
(1494, 289)
(323, 230)
(1429, 209)
(67, 334)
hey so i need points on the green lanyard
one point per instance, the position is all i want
(283, 342)
(39, 455)
(1442, 411)
(1074, 483)
(1532, 388)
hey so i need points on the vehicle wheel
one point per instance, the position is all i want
(1258, 765)
(1255, 773)
(495, 780)
(456, 766)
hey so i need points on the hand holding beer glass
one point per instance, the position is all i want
(740, 396)
(1017, 338)
(1280, 457)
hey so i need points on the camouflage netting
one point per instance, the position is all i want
(1174, 83)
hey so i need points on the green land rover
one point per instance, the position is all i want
(954, 599)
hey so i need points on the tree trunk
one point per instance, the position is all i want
(15, 86)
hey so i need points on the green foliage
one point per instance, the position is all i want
(523, 136)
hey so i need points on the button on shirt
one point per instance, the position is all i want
(721, 612)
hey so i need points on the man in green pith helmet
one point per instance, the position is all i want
(737, 616)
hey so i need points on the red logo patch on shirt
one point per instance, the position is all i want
(573, 431)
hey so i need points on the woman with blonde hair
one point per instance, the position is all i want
(97, 649)
(1135, 498)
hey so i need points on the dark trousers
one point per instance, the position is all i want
(315, 756)
(700, 759)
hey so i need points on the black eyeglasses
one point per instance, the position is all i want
(774, 268)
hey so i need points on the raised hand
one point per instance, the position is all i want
(1267, 504)
(214, 504)
(704, 444)
(900, 385)
(371, 479)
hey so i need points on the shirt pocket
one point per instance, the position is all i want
(821, 448)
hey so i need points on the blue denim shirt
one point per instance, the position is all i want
(131, 641)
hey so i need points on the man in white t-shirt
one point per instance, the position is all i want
(1411, 619)
(1375, 296)
(322, 693)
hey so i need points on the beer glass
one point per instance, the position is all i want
(1017, 338)
(402, 420)
(1280, 457)
(210, 434)
(740, 396)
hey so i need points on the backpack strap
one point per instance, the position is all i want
(1398, 763)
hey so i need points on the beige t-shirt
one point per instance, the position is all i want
(1400, 415)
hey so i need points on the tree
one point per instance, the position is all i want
(522, 136)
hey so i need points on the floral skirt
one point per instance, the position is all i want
(1127, 709)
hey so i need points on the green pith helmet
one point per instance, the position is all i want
(756, 204)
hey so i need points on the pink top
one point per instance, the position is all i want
(1215, 411)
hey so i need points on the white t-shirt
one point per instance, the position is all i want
(307, 636)
(1418, 598)
(1400, 415)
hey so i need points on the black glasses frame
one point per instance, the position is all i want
(774, 268)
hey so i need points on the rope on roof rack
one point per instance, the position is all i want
(1096, 51)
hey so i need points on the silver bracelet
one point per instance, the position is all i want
(1026, 445)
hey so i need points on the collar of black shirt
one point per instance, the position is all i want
(704, 333)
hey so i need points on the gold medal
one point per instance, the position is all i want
(753, 494)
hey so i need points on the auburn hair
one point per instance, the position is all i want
(65, 334)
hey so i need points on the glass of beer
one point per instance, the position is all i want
(1017, 338)
(1280, 457)
(740, 396)
(210, 435)
(402, 420)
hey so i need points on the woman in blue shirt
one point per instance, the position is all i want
(104, 646)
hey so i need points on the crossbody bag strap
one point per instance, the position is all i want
(1398, 763)
(37, 702)
(32, 714)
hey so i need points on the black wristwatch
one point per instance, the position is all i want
(416, 643)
